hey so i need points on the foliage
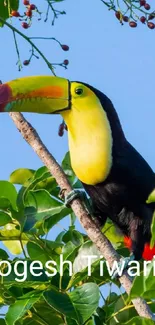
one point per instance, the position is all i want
(75, 298)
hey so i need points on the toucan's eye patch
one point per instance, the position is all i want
(78, 91)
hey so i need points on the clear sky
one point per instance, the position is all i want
(116, 59)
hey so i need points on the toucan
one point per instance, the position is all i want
(118, 180)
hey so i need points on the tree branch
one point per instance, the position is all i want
(94, 233)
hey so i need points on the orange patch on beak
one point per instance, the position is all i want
(48, 91)
(44, 92)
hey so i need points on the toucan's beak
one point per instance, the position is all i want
(38, 94)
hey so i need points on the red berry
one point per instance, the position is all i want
(117, 14)
(32, 7)
(25, 25)
(125, 18)
(26, 2)
(143, 19)
(142, 2)
(65, 47)
(26, 62)
(61, 130)
(133, 24)
(66, 62)
(15, 13)
(151, 17)
(151, 25)
(29, 13)
(147, 6)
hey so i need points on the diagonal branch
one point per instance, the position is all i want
(94, 233)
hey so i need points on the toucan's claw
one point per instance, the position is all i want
(74, 194)
(77, 194)
(125, 261)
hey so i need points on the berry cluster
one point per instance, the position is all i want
(144, 19)
(27, 15)
(26, 21)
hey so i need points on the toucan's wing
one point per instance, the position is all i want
(134, 171)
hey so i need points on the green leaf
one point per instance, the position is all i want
(43, 207)
(78, 184)
(153, 231)
(87, 249)
(2, 321)
(4, 203)
(61, 302)
(71, 321)
(58, 214)
(151, 197)
(24, 278)
(20, 307)
(45, 204)
(4, 218)
(41, 179)
(8, 191)
(21, 176)
(112, 233)
(79, 305)
(66, 165)
(85, 299)
(59, 238)
(30, 220)
(120, 302)
(73, 218)
(74, 236)
(139, 321)
(6, 7)
(144, 285)
(44, 314)
(68, 250)
(14, 246)
(3, 255)
(90, 322)
(35, 250)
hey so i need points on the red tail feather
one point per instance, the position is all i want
(148, 252)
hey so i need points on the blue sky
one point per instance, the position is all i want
(116, 59)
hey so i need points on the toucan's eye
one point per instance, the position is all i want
(78, 91)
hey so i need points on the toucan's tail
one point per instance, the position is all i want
(148, 252)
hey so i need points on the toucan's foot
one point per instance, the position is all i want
(122, 266)
(74, 194)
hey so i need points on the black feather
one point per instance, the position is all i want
(122, 196)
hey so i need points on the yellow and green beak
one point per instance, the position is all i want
(36, 94)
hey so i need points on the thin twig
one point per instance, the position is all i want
(17, 50)
(30, 42)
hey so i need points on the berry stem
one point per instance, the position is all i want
(15, 30)
(45, 38)
(53, 10)
(17, 50)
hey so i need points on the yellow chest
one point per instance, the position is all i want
(90, 144)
